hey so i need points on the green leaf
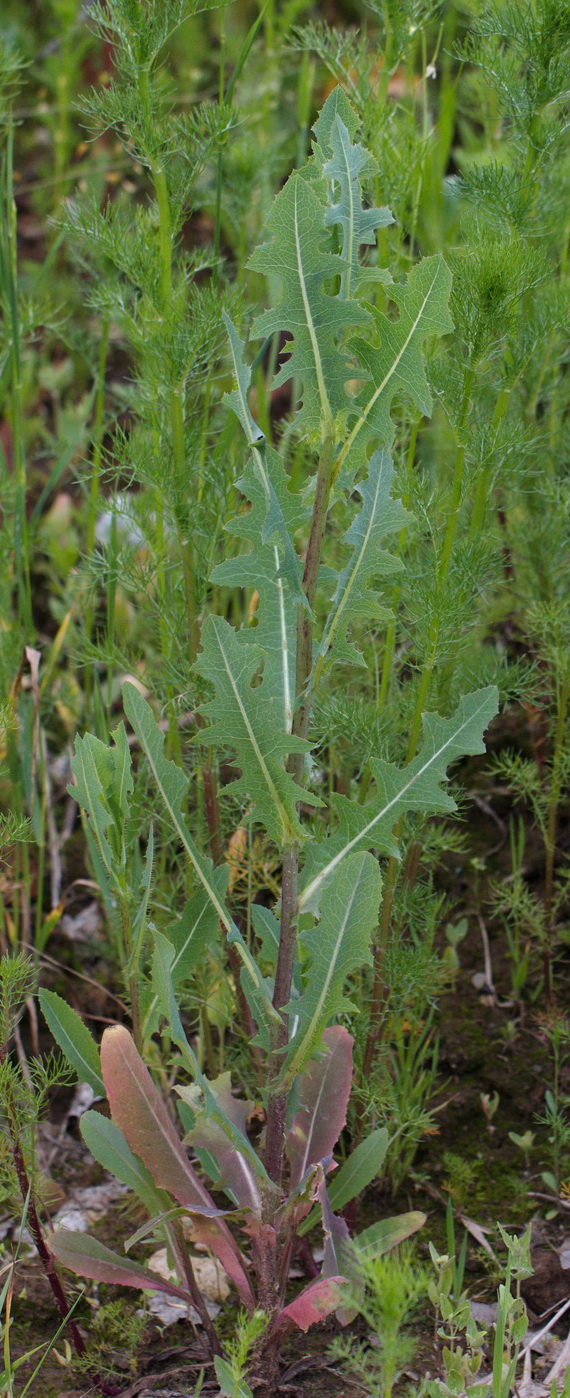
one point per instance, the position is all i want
(362, 1166)
(294, 253)
(267, 471)
(388, 1233)
(230, 1386)
(395, 362)
(336, 105)
(345, 167)
(172, 784)
(353, 601)
(246, 716)
(109, 1147)
(337, 946)
(103, 784)
(263, 569)
(354, 1175)
(74, 1039)
(416, 787)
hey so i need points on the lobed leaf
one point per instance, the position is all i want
(353, 601)
(416, 787)
(246, 716)
(395, 363)
(267, 471)
(315, 318)
(347, 163)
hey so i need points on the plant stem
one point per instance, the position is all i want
(277, 1105)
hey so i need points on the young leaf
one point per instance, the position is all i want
(352, 601)
(338, 945)
(267, 470)
(74, 1039)
(416, 787)
(323, 1092)
(395, 363)
(317, 1301)
(172, 784)
(293, 252)
(264, 570)
(246, 716)
(336, 105)
(109, 1147)
(87, 1257)
(345, 167)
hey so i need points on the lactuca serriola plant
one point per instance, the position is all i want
(260, 682)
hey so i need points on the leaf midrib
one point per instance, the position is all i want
(311, 888)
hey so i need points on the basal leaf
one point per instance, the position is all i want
(139, 1112)
(316, 319)
(323, 1091)
(337, 946)
(74, 1039)
(246, 716)
(313, 1304)
(87, 1257)
(211, 1100)
(338, 1259)
(416, 787)
(353, 600)
(394, 362)
(109, 1148)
